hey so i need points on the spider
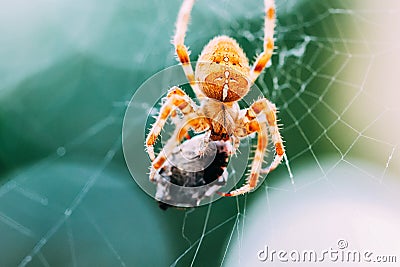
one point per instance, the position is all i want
(221, 78)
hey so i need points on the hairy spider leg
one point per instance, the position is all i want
(176, 98)
(181, 50)
(269, 25)
(261, 106)
(191, 121)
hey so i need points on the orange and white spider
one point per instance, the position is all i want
(222, 77)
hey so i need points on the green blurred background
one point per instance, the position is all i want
(68, 70)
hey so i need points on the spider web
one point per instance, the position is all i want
(68, 199)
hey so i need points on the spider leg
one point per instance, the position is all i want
(270, 112)
(262, 142)
(180, 48)
(199, 124)
(253, 124)
(269, 25)
(176, 98)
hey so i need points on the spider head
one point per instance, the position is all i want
(223, 70)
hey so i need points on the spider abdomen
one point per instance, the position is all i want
(222, 70)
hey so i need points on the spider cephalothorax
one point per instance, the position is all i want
(222, 77)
